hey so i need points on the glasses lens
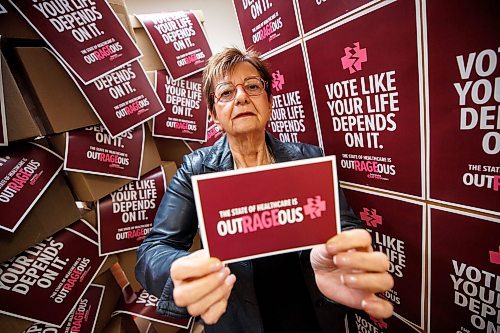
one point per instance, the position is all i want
(225, 92)
(254, 86)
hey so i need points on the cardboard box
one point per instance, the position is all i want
(54, 210)
(13, 324)
(171, 149)
(20, 124)
(112, 294)
(13, 25)
(88, 187)
(61, 105)
(121, 324)
(151, 60)
(120, 9)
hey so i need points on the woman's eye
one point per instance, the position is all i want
(226, 92)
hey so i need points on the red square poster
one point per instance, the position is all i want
(26, 171)
(45, 282)
(180, 41)
(297, 209)
(397, 229)
(464, 103)
(126, 216)
(464, 272)
(366, 81)
(360, 322)
(86, 35)
(186, 113)
(266, 24)
(319, 13)
(93, 150)
(292, 118)
(214, 133)
(122, 99)
(143, 305)
(83, 317)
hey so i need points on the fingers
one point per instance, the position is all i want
(197, 264)
(355, 239)
(205, 303)
(377, 307)
(365, 261)
(189, 292)
(370, 282)
(215, 312)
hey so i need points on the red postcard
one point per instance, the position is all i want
(268, 210)
(86, 35)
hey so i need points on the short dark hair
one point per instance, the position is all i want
(224, 62)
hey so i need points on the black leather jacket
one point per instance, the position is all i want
(176, 224)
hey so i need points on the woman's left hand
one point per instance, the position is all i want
(348, 271)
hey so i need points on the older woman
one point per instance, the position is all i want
(294, 292)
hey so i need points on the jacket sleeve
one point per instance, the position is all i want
(174, 228)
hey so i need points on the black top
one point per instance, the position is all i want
(284, 302)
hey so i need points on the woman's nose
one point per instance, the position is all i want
(241, 94)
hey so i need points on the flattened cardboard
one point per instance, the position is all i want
(89, 187)
(62, 104)
(13, 324)
(54, 210)
(121, 324)
(112, 294)
(20, 123)
(171, 149)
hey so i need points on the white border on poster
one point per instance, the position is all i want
(99, 227)
(4, 141)
(175, 137)
(83, 292)
(309, 83)
(156, 47)
(61, 58)
(153, 319)
(424, 232)
(103, 289)
(42, 191)
(431, 206)
(94, 109)
(199, 209)
(103, 173)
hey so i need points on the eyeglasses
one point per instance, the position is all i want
(226, 91)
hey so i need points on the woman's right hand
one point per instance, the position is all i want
(202, 285)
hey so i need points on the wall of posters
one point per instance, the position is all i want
(464, 104)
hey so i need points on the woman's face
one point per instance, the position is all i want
(244, 114)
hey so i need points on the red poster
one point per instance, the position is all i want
(464, 104)
(464, 272)
(3, 121)
(292, 118)
(144, 306)
(214, 133)
(45, 282)
(360, 322)
(319, 13)
(93, 150)
(366, 83)
(122, 99)
(185, 115)
(85, 34)
(180, 41)
(83, 317)
(126, 216)
(397, 229)
(26, 171)
(266, 24)
(297, 210)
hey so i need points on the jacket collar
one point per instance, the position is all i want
(219, 157)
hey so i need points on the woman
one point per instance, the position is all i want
(294, 292)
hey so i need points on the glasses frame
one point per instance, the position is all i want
(264, 84)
